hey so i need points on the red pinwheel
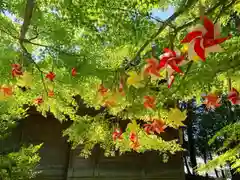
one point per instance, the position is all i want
(172, 60)
(120, 89)
(51, 93)
(7, 91)
(117, 134)
(51, 76)
(204, 39)
(152, 68)
(212, 101)
(149, 102)
(16, 70)
(38, 100)
(109, 103)
(134, 140)
(234, 97)
(102, 90)
(133, 137)
(157, 126)
(74, 71)
(135, 145)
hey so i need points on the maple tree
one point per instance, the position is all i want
(116, 56)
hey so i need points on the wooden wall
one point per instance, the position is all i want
(59, 162)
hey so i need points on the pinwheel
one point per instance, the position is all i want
(16, 70)
(110, 102)
(177, 117)
(51, 76)
(135, 145)
(134, 141)
(26, 80)
(133, 136)
(6, 90)
(212, 101)
(234, 97)
(157, 126)
(117, 134)
(102, 90)
(171, 60)
(51, 93)
(38, 100)
(120, 89)
(204, 39)
(152, 67)
(149, 102)
(134, 79)
(74, 71)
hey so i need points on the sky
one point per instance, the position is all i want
(163, 15)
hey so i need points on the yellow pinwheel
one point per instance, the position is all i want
(177, 117)
(134, 79)
(25, 80)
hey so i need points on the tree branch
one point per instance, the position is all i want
(222, 10)
(38, 44)
(27, 18)
(8, 33)
(52, 47)
(182, 9)
(209, 11)
(29, 57)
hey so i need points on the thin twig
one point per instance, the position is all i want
(229, 84)
(209, 11)
(29, 56)
(182, 9)
(52, 47)
(141, 14)
(8, 33)
(41, 45)
(224, 6)
(35, 37)
(161, 21)
(27, 19)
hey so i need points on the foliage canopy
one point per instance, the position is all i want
(92, 46)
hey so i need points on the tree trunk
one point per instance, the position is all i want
(205, 160)
(186, 164)
(216, 172)
(184, 154)
(191, 142)
(222, 172)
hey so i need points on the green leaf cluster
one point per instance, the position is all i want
(98, 38)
